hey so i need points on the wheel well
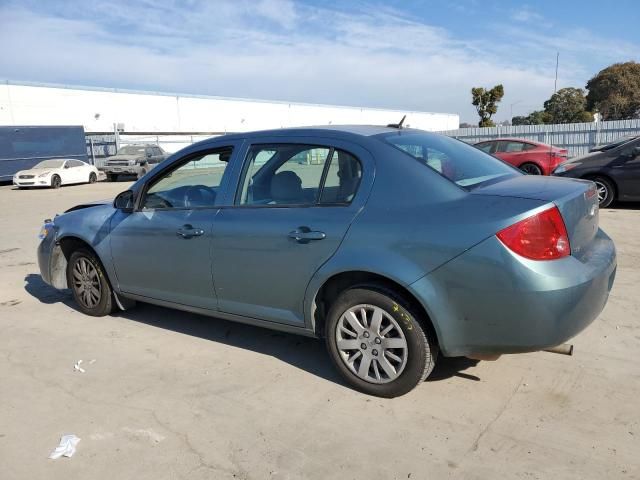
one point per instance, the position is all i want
(68, 245)
(335, 285)
(591, 176)
(531, 162)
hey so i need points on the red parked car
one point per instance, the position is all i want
(531, 157)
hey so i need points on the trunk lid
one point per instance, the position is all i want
(577, 201)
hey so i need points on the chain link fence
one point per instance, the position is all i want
(102, 145)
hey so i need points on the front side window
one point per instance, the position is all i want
(485, 147)
(462, 164)
(192, 184)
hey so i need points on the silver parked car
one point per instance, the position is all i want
(394, 245)
(133, 160)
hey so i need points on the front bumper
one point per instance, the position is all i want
(122, 169)
(491, 301)
(51, 260)
(32, 182)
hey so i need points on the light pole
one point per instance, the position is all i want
(511, 107)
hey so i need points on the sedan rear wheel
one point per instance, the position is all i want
(377, 344)
(531, 169)
(89, 285)
(93, 177)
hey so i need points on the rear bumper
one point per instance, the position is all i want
(491, 301)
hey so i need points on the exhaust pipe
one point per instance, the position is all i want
(564, 349)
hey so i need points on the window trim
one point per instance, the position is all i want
(325, 171)
(163, 173)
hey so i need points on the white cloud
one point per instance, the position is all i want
(277, 49)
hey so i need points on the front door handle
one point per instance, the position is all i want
(187, 231)
(305, 235)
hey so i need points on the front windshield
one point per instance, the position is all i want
(463, 164)
(50, 164)
(131, 150)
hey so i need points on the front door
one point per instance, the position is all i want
(162, 250)
(625, 169)
(293, 207)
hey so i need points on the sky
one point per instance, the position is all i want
(413, 55)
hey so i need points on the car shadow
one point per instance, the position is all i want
(305, 353)
(624, 206)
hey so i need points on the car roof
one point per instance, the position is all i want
(329, 130)
(513, 139)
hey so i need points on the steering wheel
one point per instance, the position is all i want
(198, 196)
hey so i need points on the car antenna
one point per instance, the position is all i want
(397, 125)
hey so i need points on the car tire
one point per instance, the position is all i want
(88, 283)
(56, 181)
(386, 357)
(606, 191)
(531, 169)
(112, 177)
(93, 178)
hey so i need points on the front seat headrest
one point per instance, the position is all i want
(286, 187)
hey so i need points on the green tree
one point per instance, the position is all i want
(537, 117)
(567, 105)
(615, 91)
(486, 103)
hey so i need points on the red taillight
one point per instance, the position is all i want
(540, 237)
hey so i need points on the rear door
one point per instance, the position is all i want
(293, 205)
(511, 152)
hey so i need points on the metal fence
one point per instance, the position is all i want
(578, 138)
(101, 145)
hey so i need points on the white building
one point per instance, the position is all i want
(100, 109)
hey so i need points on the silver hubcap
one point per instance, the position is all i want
(371, 344)
(602, 191)
(86, 283)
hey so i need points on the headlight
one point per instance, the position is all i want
(44, 174)
(565, 167)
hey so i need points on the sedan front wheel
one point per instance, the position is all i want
(89, 284)
(377, 343)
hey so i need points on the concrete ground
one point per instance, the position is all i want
(174, 395)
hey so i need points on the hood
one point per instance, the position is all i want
(37, 171)
(96, 203)
(125, 157)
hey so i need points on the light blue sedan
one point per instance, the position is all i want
(393, 244)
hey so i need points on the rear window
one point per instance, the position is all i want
(463, 164)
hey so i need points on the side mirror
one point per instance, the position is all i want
(635, 151)
(66, 165)
(124, 201)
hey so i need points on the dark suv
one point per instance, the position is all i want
(133, 160)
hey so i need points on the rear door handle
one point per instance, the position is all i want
(305, 235)
(187, 231)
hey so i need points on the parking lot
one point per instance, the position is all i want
(167, 394)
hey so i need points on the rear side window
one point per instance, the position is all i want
(298, 175)
(462, 164)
